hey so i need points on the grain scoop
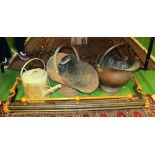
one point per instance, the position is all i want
(35, 81)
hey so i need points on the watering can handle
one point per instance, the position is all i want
(58, 50)
(23, 68)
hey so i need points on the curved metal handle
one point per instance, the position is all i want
(109, 50)
(58, 50)
(23, 68)
(134, 67)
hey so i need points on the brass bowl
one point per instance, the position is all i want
(112, 78)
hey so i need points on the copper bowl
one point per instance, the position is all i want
(113, 76)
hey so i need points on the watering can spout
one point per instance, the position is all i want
(52, 89)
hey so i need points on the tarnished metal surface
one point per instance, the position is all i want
(73, 73)
(67, 91)
(114, 68)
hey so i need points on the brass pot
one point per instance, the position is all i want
(113, 77)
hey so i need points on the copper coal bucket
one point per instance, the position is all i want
(115, 70)
(70, 71)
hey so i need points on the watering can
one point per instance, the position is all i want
(35, 81)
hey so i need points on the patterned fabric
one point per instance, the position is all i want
(44, 47)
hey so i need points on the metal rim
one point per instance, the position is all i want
(134, 67)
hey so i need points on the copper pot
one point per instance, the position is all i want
(112, 77)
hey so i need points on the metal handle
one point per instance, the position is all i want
(110, 49)
(23, 68)
(58, 50)
(134, 67)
